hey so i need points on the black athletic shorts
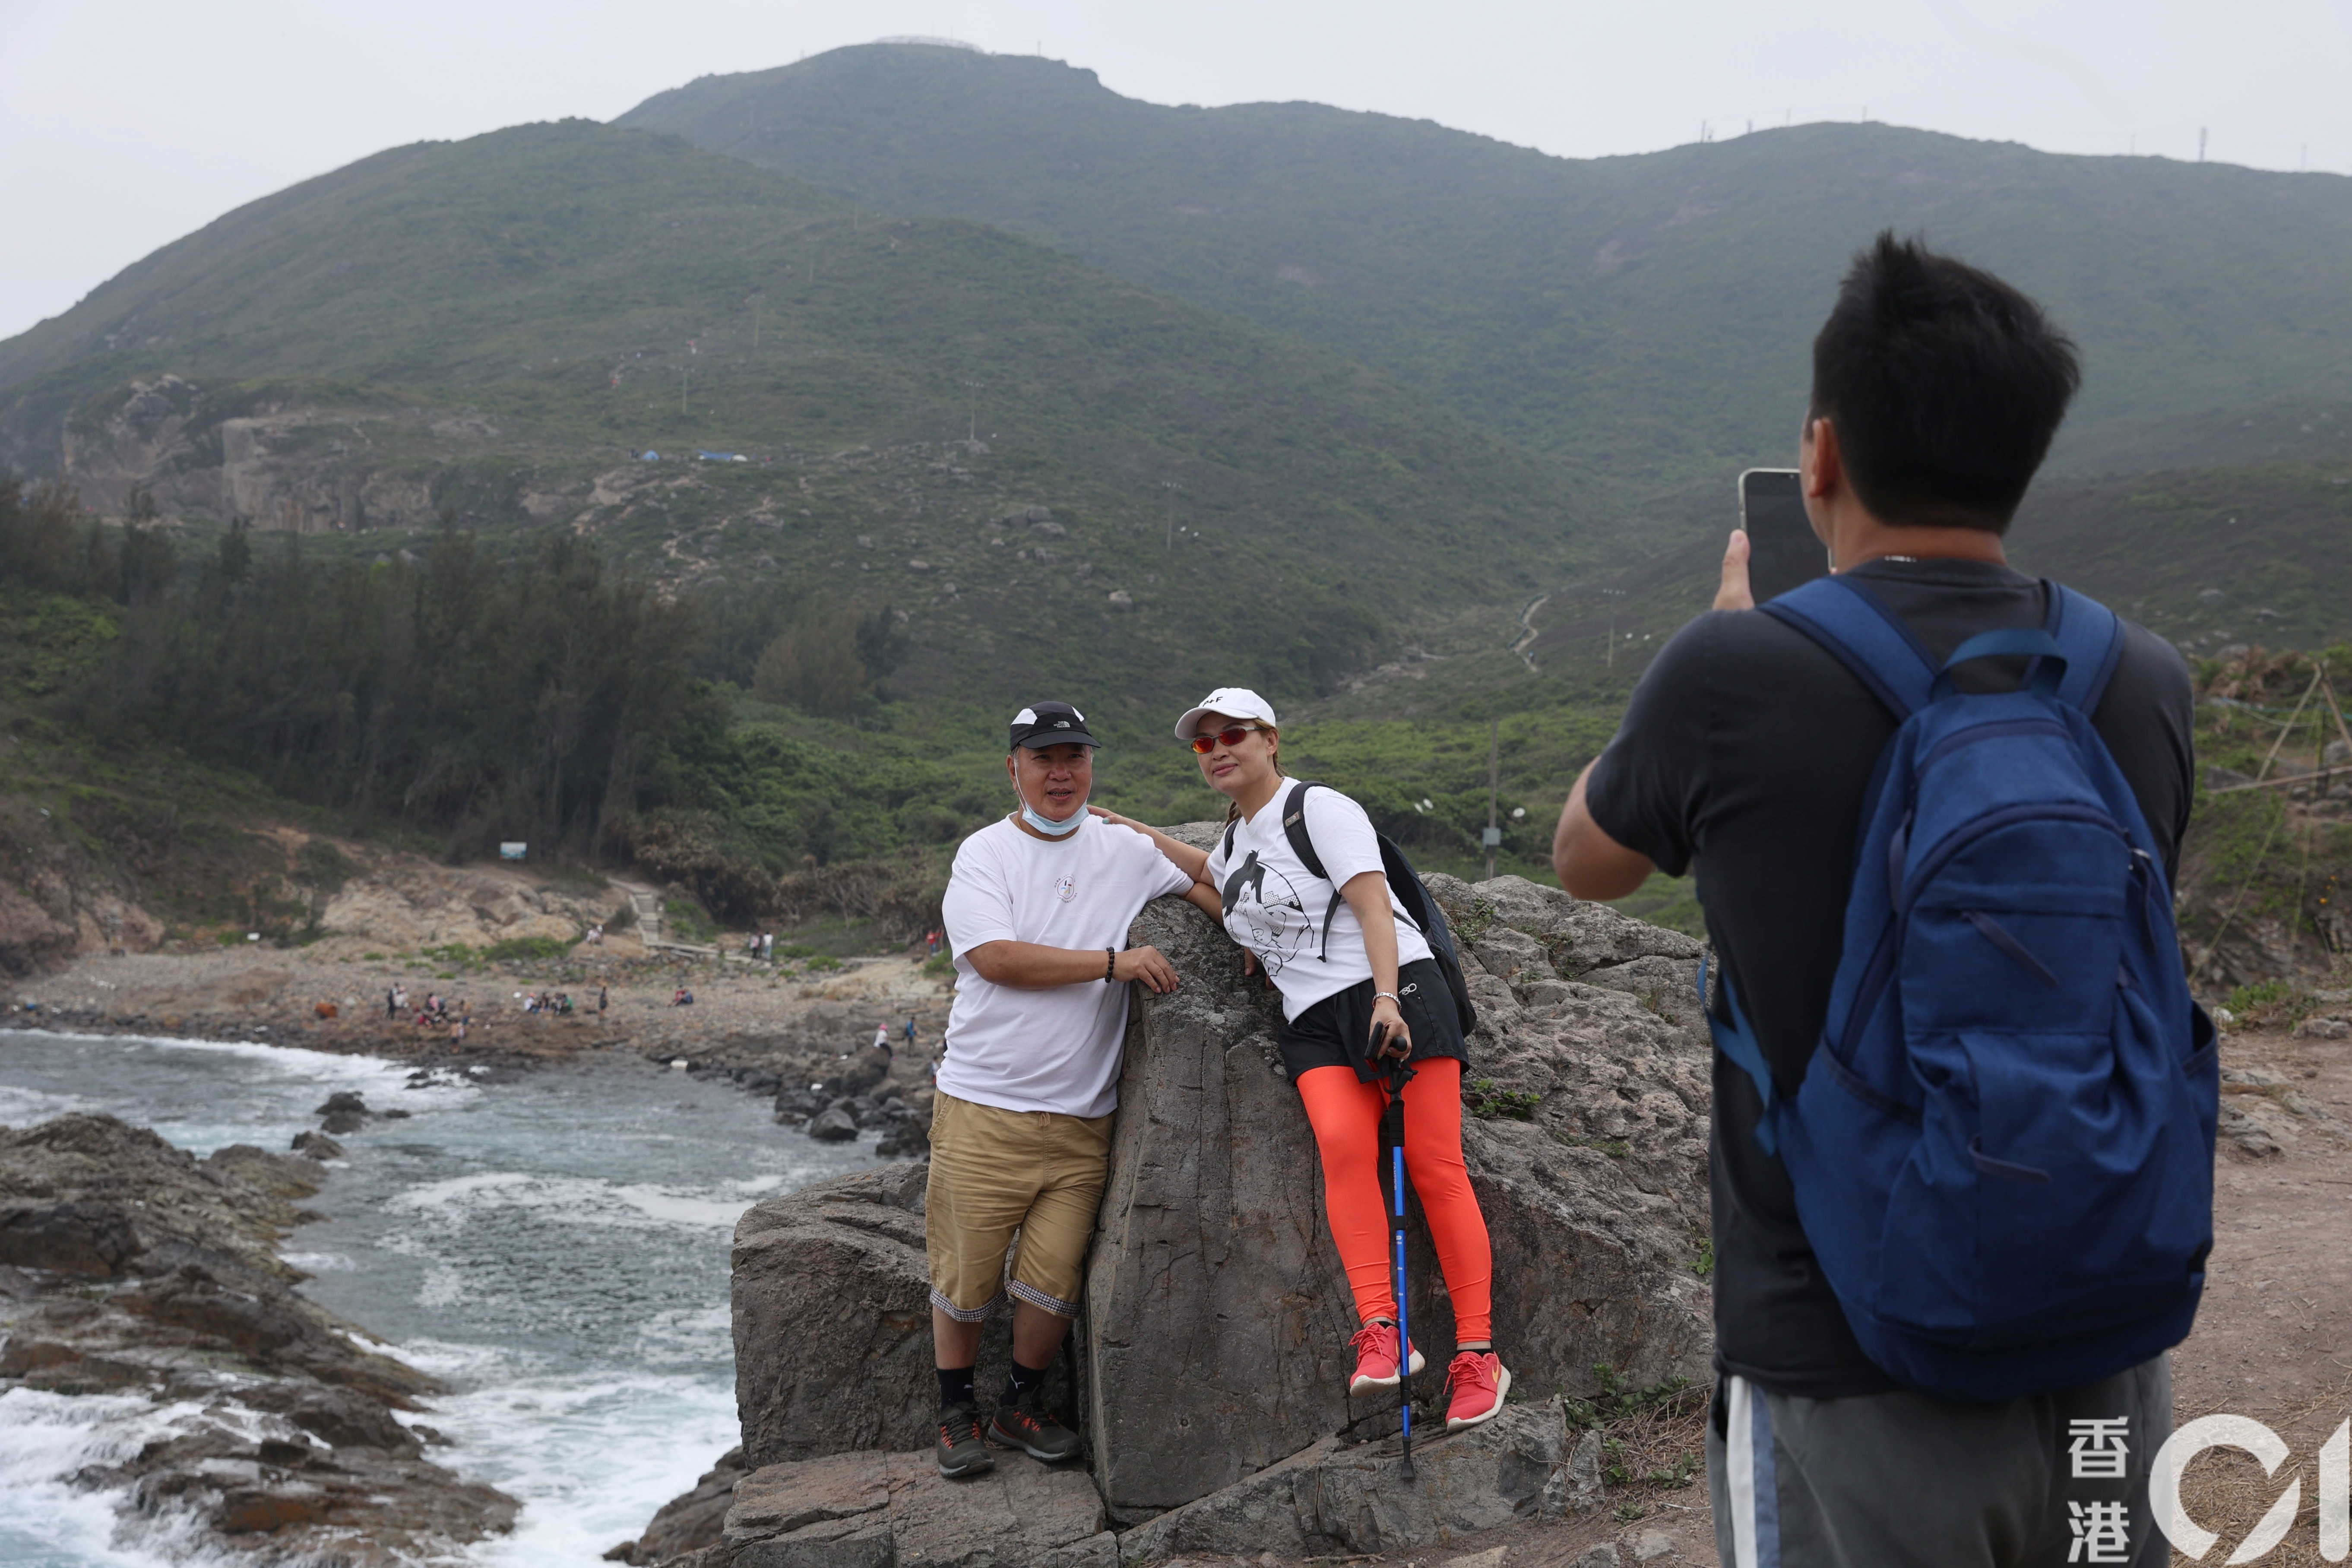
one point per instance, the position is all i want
(1337, 1031)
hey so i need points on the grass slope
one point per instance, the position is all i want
(1646, 315)
(527, 308)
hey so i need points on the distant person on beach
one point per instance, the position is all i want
(1751, 751)
(910, 1033)
(1038, 907)
(391, 1003)
(882, 1040)
(1361, 993)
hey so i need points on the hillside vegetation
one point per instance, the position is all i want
(495, 331)
(1645, 316)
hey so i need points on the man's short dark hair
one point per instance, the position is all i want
(1945, 386)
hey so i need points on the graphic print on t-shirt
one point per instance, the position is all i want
(1263, 899)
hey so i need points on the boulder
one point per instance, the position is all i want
(1215, 1304)
(871, 1509)
(87, 1238)
(835, 1126)
(833, 1322)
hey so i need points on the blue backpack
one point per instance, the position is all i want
(2002, 1149)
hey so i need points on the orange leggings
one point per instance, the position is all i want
(1345, 1116)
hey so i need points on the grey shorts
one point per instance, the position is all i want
(1900, 1480)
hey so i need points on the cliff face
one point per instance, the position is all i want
(1210, 1367)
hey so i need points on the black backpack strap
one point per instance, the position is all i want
(1294, 829)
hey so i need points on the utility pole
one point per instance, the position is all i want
(2200, 143)
(1172, 487)
(1494, 837)
(971, 431)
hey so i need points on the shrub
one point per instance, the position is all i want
(526, 947)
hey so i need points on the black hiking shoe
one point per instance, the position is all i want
(961, 1450)
(1023, 1424)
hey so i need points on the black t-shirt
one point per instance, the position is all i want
(1750, 748)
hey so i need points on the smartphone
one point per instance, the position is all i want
(1781, 548)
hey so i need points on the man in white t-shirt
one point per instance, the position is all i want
(1036, 910)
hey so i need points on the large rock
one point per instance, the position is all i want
(833, 1322)
(1217, 1314)
(895, 1511)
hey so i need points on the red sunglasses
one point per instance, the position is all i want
(1204, 744)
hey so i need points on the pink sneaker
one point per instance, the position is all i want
(1376, 1358)
(1480, 1381)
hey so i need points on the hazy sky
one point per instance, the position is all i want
(126, 124)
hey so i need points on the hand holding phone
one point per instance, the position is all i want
(1783, 550)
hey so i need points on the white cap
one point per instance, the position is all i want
(1233, 703)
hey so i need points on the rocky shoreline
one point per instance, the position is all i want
(130, 1266)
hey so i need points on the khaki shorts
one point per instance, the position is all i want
(995, 1172)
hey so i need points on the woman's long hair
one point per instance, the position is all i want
(1233, 807)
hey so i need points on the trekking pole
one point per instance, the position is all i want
(1393, 1121)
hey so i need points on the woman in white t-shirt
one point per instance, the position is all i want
(1360, 994)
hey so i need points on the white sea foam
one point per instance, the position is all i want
(590, 1458)
(555, 1250)
(46, 1522)
(318, 1262)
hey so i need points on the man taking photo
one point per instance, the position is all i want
(1037, 911)
(1753, 745)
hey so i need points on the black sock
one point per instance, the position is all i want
(955, 1385)
(1022, 1379)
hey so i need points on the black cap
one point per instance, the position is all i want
(1051, 724)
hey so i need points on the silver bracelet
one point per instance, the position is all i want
(1391, 995)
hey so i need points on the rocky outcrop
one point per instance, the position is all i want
(1209, 1369)
(894, 1511)
(403, 903)
(690, 1524)
(1214, 1300)
(128, 1266)
(54, 903)
(833, 1320)
(1333, 1497)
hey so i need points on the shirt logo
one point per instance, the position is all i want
(1065, 888)
(1265, 913)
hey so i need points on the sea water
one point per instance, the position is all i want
(554, 1247)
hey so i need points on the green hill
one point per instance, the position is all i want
(1648, 316)
(493, 330)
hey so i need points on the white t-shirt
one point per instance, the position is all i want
(1056, 1049)
(1275, 906)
